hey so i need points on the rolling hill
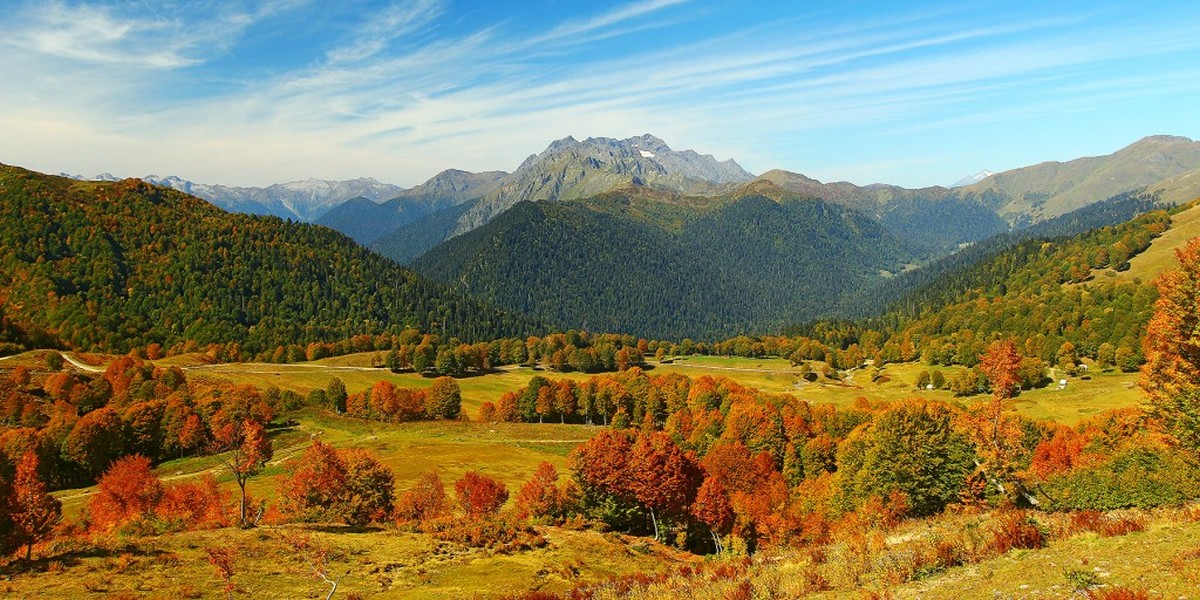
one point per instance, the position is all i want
(117, 265)
(1049, 189)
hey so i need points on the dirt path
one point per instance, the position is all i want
(267, 369)
(742, 369)
(82, 366)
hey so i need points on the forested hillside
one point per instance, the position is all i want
(914, 290)
(668, 267)
(113, 266)
(586, 269)
(409, 241)
(1058, 297)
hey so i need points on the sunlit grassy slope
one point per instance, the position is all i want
(1160, 256)
(1163, 561)
(373, 563)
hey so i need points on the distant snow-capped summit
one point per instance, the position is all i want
(972, 179)
(303, 200)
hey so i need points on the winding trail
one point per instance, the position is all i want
(82, 366)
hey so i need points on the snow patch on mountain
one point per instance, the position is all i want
(972, 179)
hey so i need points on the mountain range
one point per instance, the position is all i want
(630, 235)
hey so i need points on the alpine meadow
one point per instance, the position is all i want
(423, 306)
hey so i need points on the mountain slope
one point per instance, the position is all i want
(666, 266)
(935, 217)
(112, 266)
(1049, 189)
(411, 240)
(367, 221)
(586, 269)
(569, 170)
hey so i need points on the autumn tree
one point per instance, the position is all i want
(129, 490)
(601, 463)
(487, 412)
(251, 451)
(479, 495)
(997, 441)
(95, 441)
(426, 499)
(33, 511)
(351, 486)
(191, 434)
(369, 496)
(1171, 375)
(314, 488)
(196, 504)
(540, 496)
(662, 477)
(713, 509)
(1002, 364)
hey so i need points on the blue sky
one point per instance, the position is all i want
(250, 93)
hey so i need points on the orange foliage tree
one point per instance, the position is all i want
(998, 442)
(712, 508)
(350, 486)
(540, 496)
(1058, 452)
(127, 491)
(197, 504)
(479, 495)
(33, 511)
(601, 463)
(1171, 375)
(426, 500)
(662, 476)
(311, 493)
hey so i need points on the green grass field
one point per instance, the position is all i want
(508, 452)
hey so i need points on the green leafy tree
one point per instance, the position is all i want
(335, 395)
(444, 400)
(913, 449)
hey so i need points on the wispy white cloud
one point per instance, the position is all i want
(393, 22)
(127, 35)
(405, 94)
(581, 30)
(96, 35)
